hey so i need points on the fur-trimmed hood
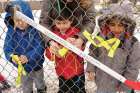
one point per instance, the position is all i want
(123, 12)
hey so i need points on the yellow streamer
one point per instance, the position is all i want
(89, 37)
(114, 47)
(103, 43)
(21, 70)
(62, 52)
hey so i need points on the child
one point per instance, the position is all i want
(83, 12)
(81, 9)
(25, 41)
(70, 67)
(116, 22)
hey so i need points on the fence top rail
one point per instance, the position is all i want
(35, 5)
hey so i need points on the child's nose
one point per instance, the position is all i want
(61, 25)
(117, 29)
(21, 23)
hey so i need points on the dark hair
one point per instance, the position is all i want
(65, 14)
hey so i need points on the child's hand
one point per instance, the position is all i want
(23, 59)
(90, 76)
(53, 44)
(71, 40)
(78, 43)
(54, 47)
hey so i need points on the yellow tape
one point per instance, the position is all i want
(104, 43)
(113, 48)
(62, 52)
(21, 70)
(89, 37)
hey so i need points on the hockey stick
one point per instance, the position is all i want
(131, 84)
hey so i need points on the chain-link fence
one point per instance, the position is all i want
(20, 43)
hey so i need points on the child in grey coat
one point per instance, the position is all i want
(126, 60)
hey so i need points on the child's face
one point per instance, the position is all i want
(21, 24)
(116, 27)
(63, 25)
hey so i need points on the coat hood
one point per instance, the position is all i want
(122, 12)
(22, 6)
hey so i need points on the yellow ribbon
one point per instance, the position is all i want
(21, 70)
(62, 52)
(103, 43)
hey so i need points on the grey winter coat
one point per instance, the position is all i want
(126, 60)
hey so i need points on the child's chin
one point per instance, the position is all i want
(22, 28)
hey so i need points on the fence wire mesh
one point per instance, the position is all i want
(54, 14)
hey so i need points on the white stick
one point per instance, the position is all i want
(97, 28)
(95, 32)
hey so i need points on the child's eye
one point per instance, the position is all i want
(58, 23)
(112, 24)
(120, 25)
(64, 22)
